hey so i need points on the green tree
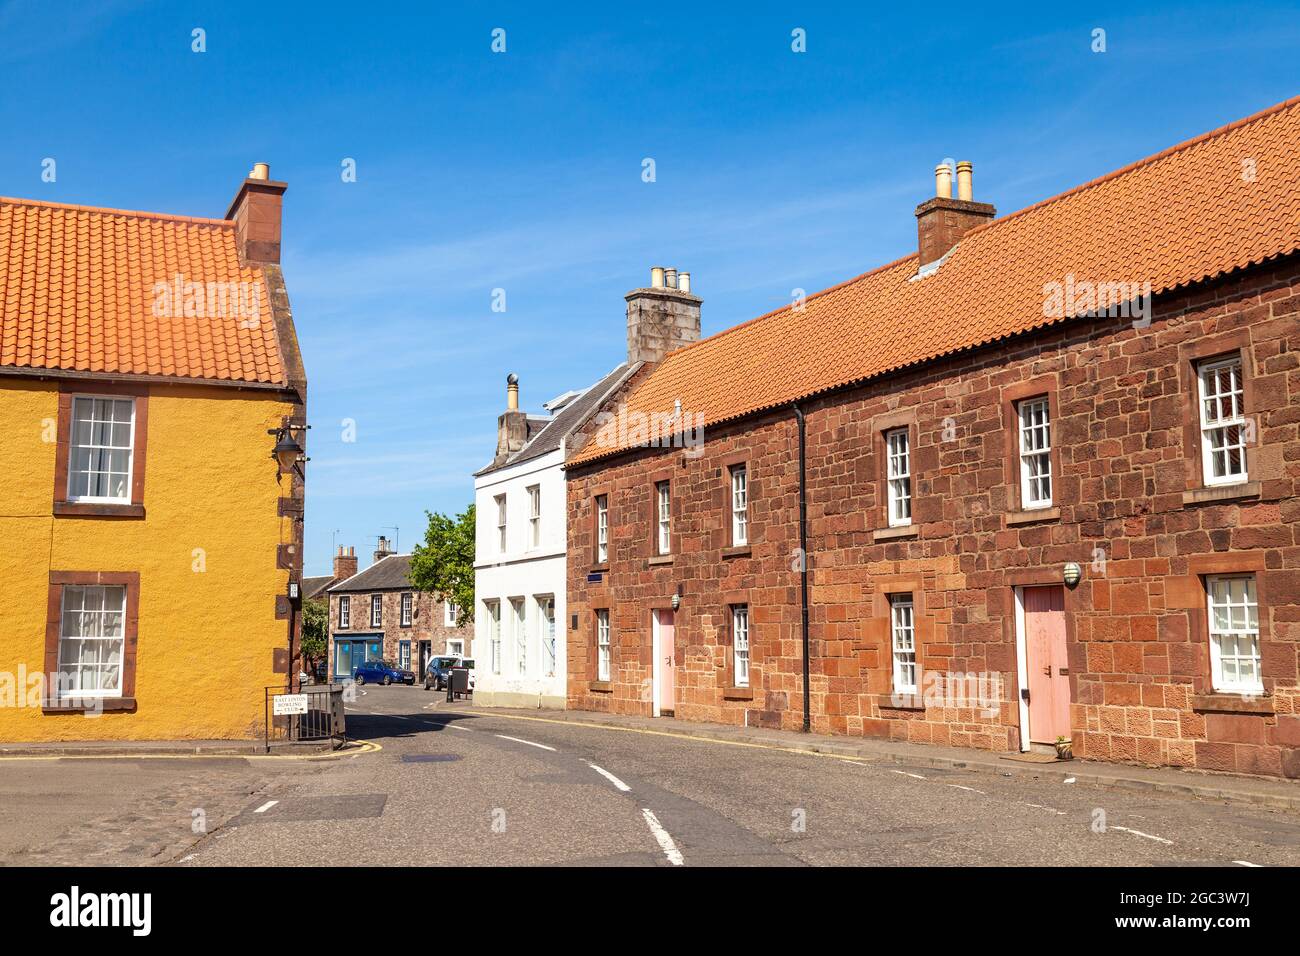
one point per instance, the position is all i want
(444, 563)
(315, 628)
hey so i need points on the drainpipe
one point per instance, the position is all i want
(803, 564)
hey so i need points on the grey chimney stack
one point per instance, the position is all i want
(663, 317)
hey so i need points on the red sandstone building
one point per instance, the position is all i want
(1048, 464)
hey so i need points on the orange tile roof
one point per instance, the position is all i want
(1183, 215)
(78, 293)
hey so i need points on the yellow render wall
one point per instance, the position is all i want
(205, 553)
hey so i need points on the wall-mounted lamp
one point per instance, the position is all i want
(288, 451)
(677, 601)
(1072, 574)
(295, 590)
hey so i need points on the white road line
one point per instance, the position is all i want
(916, 776)
(520, 740)
(266, 806)
(960, 787)
(1068, 780)
(665, 841)
(1147, 836)
(1059, 813)
(459, 727)
(1248, 863)
(610, 777)
(186, 859)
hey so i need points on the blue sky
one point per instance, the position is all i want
(522, 170)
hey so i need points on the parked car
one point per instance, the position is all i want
(381, 672)
(439, 671)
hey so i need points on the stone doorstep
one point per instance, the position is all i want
(159, 748)
(1208, 785)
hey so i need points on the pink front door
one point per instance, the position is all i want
(667, 663)
(1048, 667)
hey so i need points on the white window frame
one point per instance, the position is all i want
(501, 523)
(1035, 444)
(1217, 430)
(345, 612)
(493, 609)
(74, 446)
(1242, 624)
(902, 643)
(603, 650)
(740, 644)
(739, 505)
(602, 528)
(898, 476)
(519, 611)
(546, 631)
(534, 516)
(376, 610)
(449, 614)
(91, 625)
(664, 517)
(407, 606)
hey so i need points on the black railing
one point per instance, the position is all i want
(322, 718)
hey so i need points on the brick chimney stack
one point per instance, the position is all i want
(383, 549)
(942, 221)
(256, 214)
(663, 317)
(512, 425)
(345, 563)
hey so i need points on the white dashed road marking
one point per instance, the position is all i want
(520, 740)
(1147, 836)
(610, 777)
(266, 806)
(960, 787)
(665, 841)
(915, 776)
(1248, 863)
(1059, 813)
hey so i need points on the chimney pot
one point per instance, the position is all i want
(657, 277)
(684, 281)
(964, 171)
(670, 278)
(943, 181)
(512, 392)
(260, 171)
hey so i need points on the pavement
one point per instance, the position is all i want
(441, 784)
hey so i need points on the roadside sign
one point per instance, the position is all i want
(285, 704)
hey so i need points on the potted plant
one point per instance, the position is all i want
(1063, 751)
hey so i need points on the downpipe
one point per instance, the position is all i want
(803, 563)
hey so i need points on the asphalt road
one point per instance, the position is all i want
(453, 787)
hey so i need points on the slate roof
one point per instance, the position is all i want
(1223, 201)
(571, 416)
(387, 574)
(313, 587)
(78, 292)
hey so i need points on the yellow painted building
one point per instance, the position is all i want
(148, 369)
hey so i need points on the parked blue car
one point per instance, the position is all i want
(381, 672)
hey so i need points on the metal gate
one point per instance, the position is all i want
(322, 719)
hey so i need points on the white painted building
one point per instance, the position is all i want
(520, 567)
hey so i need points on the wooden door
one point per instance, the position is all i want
(1048, 667)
